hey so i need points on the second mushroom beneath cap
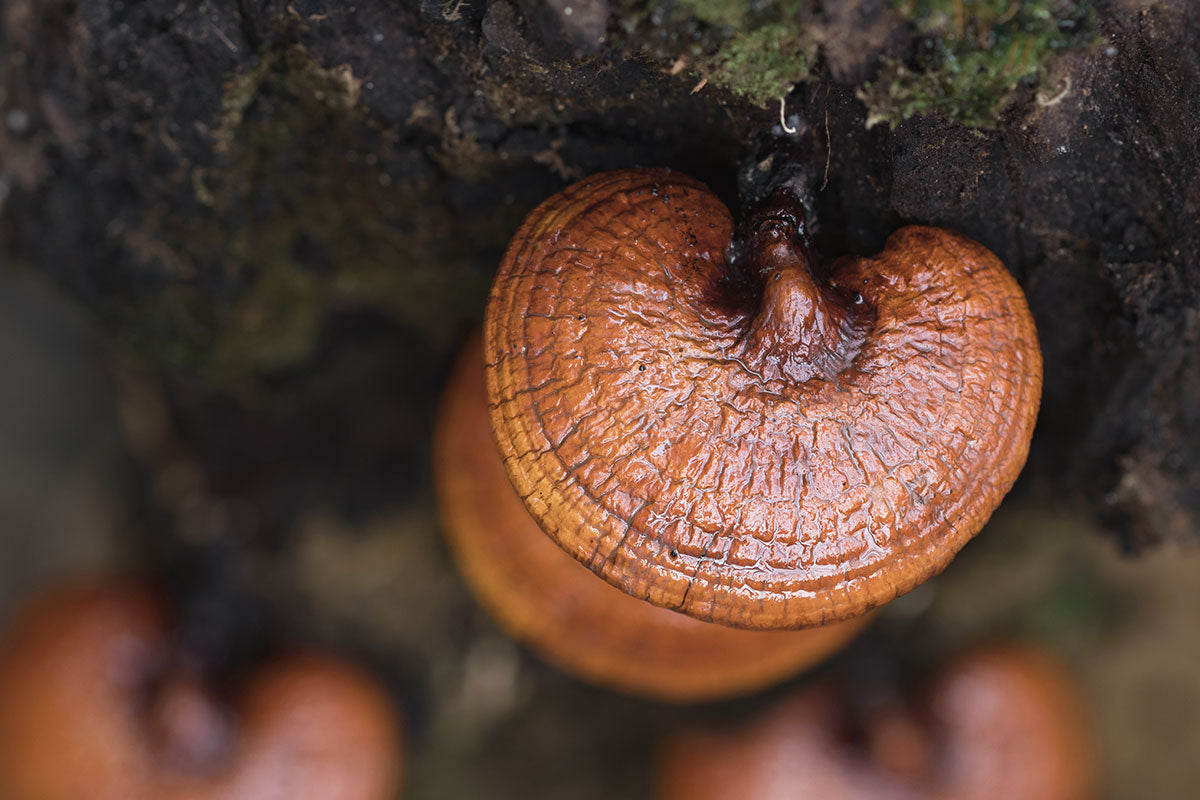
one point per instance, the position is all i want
(566, 614)
(737, 433)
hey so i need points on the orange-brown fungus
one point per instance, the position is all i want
(90, 708)
(752, 441)
(1002, 723)
(565, 613)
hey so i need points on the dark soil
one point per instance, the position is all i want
(292, 210)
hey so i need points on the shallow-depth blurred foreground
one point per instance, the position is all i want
(486, 719)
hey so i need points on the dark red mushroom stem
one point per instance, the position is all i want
(804, 326)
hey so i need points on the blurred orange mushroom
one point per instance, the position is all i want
(1000, 723)
(92, 707)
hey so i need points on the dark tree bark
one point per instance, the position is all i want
(292, 211)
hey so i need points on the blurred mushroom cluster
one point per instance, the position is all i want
(728, 431)
(684, 461)
(98, 701)
(998, 722)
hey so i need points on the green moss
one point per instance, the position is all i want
(314, 208)
(292, 204)
(972, 56)
(274, 324)
(759, 50)
(728, 13)
(762, 64)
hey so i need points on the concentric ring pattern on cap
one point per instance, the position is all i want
(563, 612)
(662, 452)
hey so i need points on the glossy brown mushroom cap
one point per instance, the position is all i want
(754, 443)
(90, 709)
(1001, 723)
(566, 614)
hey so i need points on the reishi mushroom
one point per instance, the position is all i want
(90, 706)
(1001, 722)
(566, 614)
(727, 429)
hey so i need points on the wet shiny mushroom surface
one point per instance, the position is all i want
(562, 611)
(722, 426)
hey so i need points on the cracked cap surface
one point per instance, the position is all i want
(660, 416)
(567, 615)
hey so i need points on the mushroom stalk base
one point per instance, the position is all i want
(804, 327)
